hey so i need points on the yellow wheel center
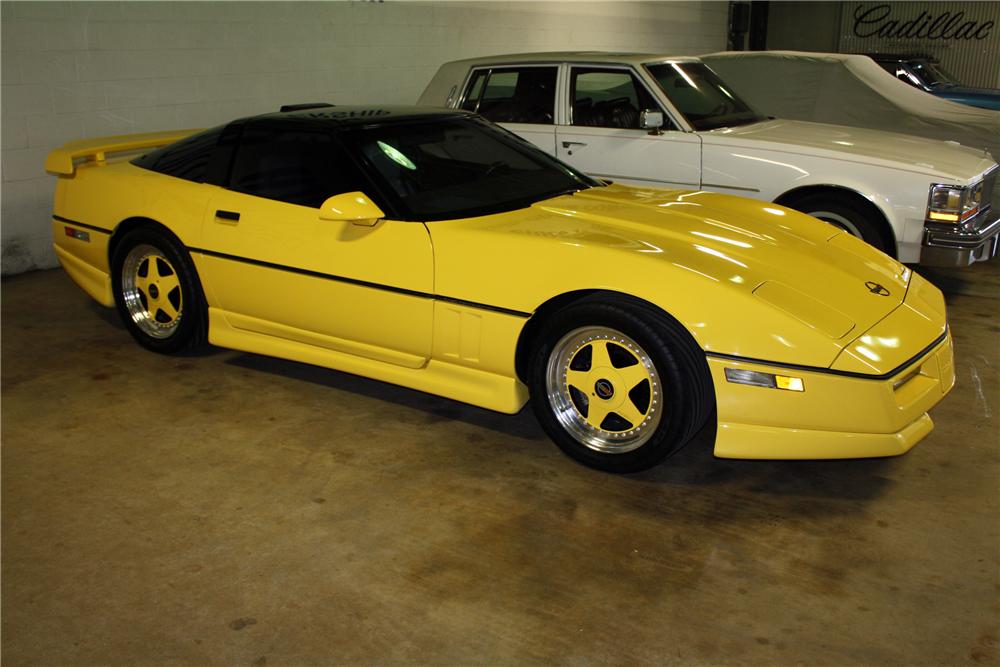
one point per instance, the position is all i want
(156, 279)
(608, 388)
(604, 389)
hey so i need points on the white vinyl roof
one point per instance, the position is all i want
(574, 56)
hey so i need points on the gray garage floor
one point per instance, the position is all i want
(229, 508)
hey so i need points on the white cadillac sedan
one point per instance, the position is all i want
(672, 122)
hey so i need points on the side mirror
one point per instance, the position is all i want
(353, 207)
(651, 120)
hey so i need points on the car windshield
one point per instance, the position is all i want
(933, 74)
(701, 96)
(461, 167)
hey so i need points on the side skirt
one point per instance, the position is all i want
(468, 385)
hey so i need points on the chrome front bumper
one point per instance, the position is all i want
(953, 245)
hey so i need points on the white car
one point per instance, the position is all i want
(672, 122)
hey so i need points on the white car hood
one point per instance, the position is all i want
(940, 159)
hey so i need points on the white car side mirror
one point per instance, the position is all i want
(651, 120)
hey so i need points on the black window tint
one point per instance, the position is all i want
(518, 95)
(294, 166)
(461, 167)
(608, 98)
(187, 158)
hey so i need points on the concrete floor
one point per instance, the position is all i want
(229, 508)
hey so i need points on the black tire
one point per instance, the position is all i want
(157, 292)
(853, 217)
(634, 338)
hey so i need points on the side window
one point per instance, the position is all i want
(474, 89)
(294, 166)
(187, 158)
(608, 98)
(513, 94)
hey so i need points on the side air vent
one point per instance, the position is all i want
(302, 107)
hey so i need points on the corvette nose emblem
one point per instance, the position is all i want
(875, 288)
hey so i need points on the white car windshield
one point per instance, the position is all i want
(698, 93)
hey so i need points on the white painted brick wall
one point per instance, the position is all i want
(72, 70)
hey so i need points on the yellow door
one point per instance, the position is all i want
(275, 268)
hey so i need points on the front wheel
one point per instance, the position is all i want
(157, 293)
(619, 385)
(850, 216)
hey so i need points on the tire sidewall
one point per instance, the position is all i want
(870, 231)
(189, 330)
(670, 433)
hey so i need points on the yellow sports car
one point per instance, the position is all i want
(434, 250)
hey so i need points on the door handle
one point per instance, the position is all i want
(567, 144)
(228, 215)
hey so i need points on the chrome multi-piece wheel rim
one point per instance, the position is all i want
(152, 292)
(604, 389)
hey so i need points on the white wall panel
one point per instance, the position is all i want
(73, 70)
(965, 36)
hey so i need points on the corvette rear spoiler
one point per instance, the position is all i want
(61, 160)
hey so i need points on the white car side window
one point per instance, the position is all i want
(608, 98)
(513, 94)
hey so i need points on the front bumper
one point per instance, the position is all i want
(953, 245)
(837, 416)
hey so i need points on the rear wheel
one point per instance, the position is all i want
(157, 292)
(852, 217)
(619, 385)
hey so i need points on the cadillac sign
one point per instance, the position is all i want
(879, 21)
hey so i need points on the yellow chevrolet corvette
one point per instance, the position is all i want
(434, 250)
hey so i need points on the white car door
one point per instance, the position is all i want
(603, 137)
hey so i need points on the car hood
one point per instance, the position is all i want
(940, 159)
(764, 248)
(744, 276)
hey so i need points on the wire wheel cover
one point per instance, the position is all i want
(604, 389)
(152, 291)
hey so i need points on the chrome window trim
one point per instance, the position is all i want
(678, 127)
(664, 97)
(460, 101)
(489, 69)
(563, 107)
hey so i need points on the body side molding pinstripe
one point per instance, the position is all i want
(518, 313)
(360, 283)
(80, 224)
